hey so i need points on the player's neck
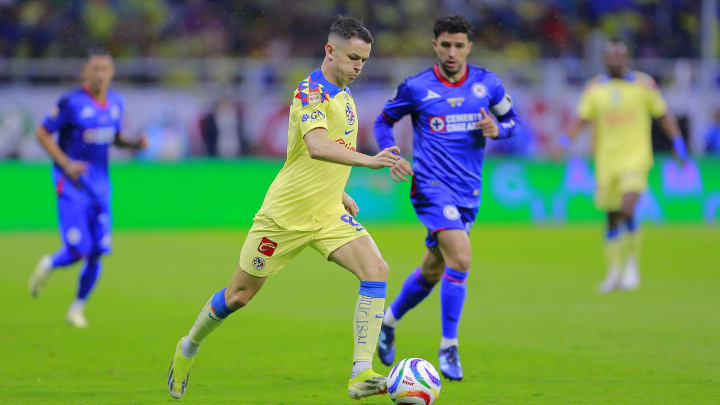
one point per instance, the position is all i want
(99, 95)
(329, 76)
(455, 77)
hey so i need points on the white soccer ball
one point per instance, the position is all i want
(413, 381)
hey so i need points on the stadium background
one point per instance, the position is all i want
(210, 82)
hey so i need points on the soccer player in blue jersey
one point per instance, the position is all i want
(88, 120)
(450, 105)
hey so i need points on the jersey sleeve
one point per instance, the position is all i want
(400, 105)
(500, 101)
(656, 103)
(120, 115)
(58, 116)
(585, 109)
(309, 108)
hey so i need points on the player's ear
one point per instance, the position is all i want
(329, 51)
(469, 46)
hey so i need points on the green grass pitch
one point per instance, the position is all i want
(534, 330)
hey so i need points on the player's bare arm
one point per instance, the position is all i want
(123, 142)
(576, 127)
(322, 148)
(401, 170)
(72, 168)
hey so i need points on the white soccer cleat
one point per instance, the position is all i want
(77, 319)
(631, 277)
(40, 276)
(611, 282)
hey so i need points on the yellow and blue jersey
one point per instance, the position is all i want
(307, 193)
(621, 112)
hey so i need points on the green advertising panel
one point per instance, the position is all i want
(227, 194)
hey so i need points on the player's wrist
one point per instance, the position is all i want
(680, 148)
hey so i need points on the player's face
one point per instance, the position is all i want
(616, 59)
(98, 72)
(349, 57)
(452, 51)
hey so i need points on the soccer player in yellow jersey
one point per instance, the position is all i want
(619, 106)
(306, 206)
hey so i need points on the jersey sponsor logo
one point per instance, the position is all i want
(87, 112)
(455, 101)
(315, 115)
(437, 123)
(346, 145)
(431, 95)
(351, 221)
(349, 114)
(258, 263)
(479, 90)
(99, 136)
(451, 212)
(267, 247)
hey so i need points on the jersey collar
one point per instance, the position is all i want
(332, 89)
(446, 82)
(95, 101)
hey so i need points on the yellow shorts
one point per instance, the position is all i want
(269, 247)
(611, 188)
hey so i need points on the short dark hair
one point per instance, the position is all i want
(97, 51)
(347, 27)
(453, 24)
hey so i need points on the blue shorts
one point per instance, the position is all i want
(84, 216)
(436, 209)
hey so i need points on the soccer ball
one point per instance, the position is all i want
(413, 381)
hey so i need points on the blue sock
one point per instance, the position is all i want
(65, 257)
(414, 290)
(452, 299)
(631, 224)
(219, 306)
(88, 276)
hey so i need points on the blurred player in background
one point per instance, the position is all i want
(450, 104)
(306, 205)
(619, 105)
(88, 120)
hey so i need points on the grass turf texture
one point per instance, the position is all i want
(534, 330)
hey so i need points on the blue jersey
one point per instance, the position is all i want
(447, 148)
(86, 129)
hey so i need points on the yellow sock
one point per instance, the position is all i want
(367, 319)
(613, 252)
(632, 244)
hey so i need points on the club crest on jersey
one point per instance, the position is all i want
(479, 90)
(267, 247)
(455, 101)
(349, 114)
(314, 98)
(451, 212)
(87, 112)
(258, 263)
(437, 123)
(115, 112)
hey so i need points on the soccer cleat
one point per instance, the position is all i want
(40, 276)
(179, 373)
(611, 282)
(450, 363)
(631, 277)
(366, 384)
(77, 319)
(386, 345)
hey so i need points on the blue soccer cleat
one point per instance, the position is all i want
(386, 345)
(450, 363)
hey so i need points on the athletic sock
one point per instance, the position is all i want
(445, 343)
(78, 305)
(210, 317)
(367, 319)
(88, 277)
(613, 251)
(632, 240)
(414, 290)
(452, 298)
(64, 257)
(359, 367)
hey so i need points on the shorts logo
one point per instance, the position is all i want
(437, 124)
(349, 114)
(258, 263)
(267, 247)
(350, 220)
(479, 90)
(451, 212)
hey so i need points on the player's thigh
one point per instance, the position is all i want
(269, 247)
(347, 243)
(608, 196)
(73, 221)
(631, 185)
(454, 244)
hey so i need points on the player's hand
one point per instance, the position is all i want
(74, 169)
(401, 170)
(142, 142)
(350, 206)
(387, 157)
(488, 125)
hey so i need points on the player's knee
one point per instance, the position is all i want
(237, 299)
(628, 211)
(459, 262)
(378, 271)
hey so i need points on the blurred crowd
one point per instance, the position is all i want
(516, 29)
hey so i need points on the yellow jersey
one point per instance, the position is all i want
(307, 193)
(620, 111)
